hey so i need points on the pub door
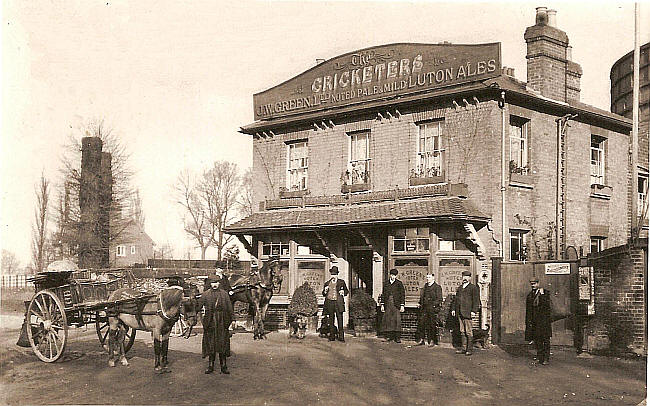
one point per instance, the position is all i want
(360, 269)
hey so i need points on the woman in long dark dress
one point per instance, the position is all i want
(392, 304)
(216, 321)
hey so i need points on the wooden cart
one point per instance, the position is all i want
(63, 300)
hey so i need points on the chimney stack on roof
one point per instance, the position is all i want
(550, 69)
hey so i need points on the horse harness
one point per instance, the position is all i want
(138, 311)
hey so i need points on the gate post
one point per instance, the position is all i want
(496, 299)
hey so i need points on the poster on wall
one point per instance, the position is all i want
(584, 285)
(559, 268)
(312, 272)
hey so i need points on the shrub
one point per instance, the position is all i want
(362, 305)
(303, 301)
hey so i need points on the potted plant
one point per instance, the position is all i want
(302, 310)
(363, 310)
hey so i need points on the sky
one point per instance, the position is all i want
(175, 79)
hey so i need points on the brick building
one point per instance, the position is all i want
(433, 157)
(134, 246)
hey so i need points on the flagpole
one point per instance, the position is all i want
(635, 127)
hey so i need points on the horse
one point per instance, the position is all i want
(154, 313)
(257, 292)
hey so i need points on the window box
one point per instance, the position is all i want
(418, 181)
(520, 179)
(290, 194)
(601, 191)
(359, 187)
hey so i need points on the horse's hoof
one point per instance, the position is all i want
(166, 370)
(124, 362)
(111, 363)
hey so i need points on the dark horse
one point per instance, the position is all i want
(257, 292)
(155, 313)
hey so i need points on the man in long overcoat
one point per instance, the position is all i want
(430, 302)
(538, 320)
(334, 292)
(217, 319)
(467, 305)
(392, 304)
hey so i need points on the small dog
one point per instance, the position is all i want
(324, 329)
(297, 326)
(480, 336)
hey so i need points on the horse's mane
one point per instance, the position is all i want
(171, 297)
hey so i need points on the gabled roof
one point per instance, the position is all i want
(433, 208)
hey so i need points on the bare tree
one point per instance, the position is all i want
(164, 251)
(136, 213)
(39, 229)
(196, 217)
(220, 188)
(67, 238)
(245, 199)
(10, 263)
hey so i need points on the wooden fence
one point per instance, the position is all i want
(16, 281)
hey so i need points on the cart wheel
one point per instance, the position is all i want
(101, 325)
(180, 327)
(48, 326)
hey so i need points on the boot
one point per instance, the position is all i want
(222, 362)
(461, 350)
(210, 368)
(397, 337)
(468, 347)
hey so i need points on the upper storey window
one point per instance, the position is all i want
(431, 154)
(597, 160)
(358, 171)
(297, 164)
(519, 145)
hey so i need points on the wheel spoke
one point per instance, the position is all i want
(40, 308)
(58, 342)
(51, 307)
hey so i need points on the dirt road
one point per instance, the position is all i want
(279, 371)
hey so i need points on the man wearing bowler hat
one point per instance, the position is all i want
(538, 320)
(466, 306)
(334, 291)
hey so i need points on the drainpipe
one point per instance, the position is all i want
(504, 163)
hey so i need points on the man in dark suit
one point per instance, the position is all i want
(392, 304)
(467, 305)
(430, 302)
(334, 291)
(538, 320)
(217, 319)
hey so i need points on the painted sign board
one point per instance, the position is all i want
(312, 272)
(376, 73)
(558, 268)
(413, 278)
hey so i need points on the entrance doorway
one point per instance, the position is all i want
(360, 262)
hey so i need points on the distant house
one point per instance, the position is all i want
(133, 246)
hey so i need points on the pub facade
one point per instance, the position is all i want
(433, 157)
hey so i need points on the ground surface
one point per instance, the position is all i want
(279, 371)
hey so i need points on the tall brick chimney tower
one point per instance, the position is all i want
(95, 191)
(550, 69)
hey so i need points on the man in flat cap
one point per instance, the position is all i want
(334, 291)
(217, 319)
(466, 306)
(538, 320)
(392, 305)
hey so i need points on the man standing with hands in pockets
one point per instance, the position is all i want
(334, 291)
(466, 306)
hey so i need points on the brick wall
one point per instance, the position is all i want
(619, 296)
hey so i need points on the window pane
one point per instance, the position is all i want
(446, 245)
(423, 244)
(398, 245)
